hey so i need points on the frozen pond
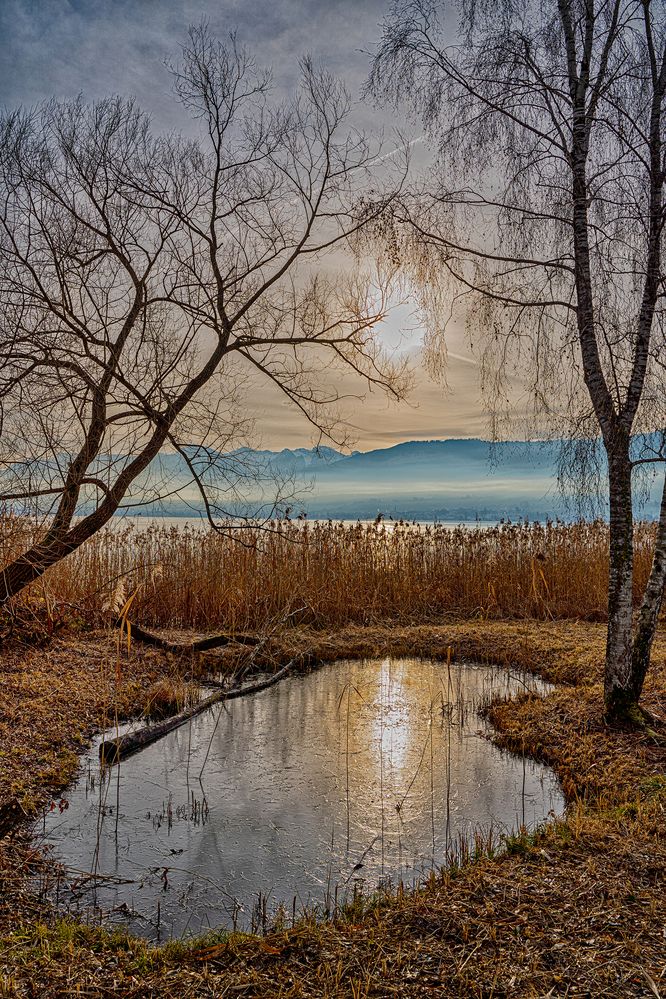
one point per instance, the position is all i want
(357, 774)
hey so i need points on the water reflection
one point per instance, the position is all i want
(361, 771)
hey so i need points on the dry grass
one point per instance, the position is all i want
(576, 910)
(168, 696)
(54, 698)
(339, 574)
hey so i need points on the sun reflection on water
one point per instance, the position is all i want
(362, 772)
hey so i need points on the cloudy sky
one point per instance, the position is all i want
(96, 47)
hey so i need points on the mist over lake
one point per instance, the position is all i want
(454, 481)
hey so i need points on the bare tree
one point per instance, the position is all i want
(143, 277)
(545, 212)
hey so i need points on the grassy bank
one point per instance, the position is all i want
(197, 579)
(575, 910)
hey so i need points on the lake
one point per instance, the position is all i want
(140, 522)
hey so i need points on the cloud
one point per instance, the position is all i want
(431, 411)
(398, 149)
(65, 47)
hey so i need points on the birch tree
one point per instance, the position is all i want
(142, 274)
(544, 212)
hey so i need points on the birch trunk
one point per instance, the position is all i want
(650, 607)
(618, 691)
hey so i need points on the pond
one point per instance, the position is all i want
(357, 775)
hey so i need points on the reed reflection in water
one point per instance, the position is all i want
(358, 773)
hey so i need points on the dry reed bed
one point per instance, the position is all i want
(337, 573)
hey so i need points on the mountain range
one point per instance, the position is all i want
(459, 480)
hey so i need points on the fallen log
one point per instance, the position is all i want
(113, 750)
(200, 645)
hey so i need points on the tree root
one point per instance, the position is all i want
(631, 715)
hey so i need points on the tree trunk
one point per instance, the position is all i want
(32, 564)
(62, 538)
(619, 697)
(650, 607)
(56, 545)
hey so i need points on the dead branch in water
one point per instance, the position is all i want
(113, 750)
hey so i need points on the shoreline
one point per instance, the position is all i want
(615, 780)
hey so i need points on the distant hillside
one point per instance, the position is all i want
(429, 480)
(460, 480)
(421, 480)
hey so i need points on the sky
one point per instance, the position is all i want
(96, 47)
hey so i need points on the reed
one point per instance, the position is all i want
(186, 577)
